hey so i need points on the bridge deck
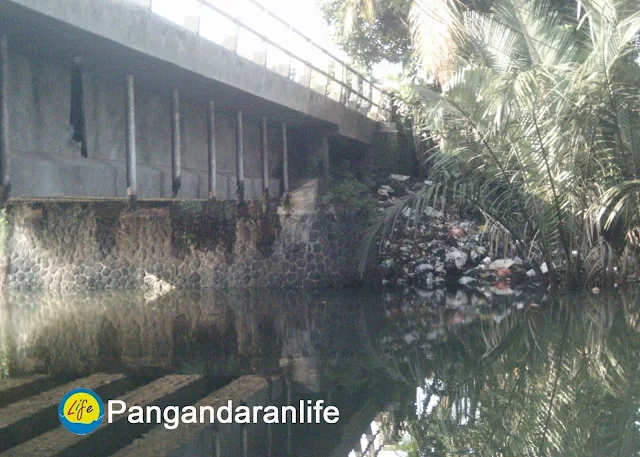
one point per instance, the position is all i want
(118, 37)
(196, 119)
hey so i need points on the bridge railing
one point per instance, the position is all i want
(287, 51)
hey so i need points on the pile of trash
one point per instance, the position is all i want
(446, 251)
(417, 318)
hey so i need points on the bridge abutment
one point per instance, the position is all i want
(164, 245)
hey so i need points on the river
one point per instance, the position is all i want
(414, 373)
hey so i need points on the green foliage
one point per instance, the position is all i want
(538, 127)
(190, 209)
(347, 195)
(367, 38)
(188, 239)
(305, 166)
(76, 213)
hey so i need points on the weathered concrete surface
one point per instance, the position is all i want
(46, 162)
(117, 38)
(304, 198)
(13, 390)
(10, 384)
(55, 441)
(25, 408)
(142, 42)
(25, 419)
(197, 439)
(101, 245)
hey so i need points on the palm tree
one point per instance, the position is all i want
(539, 128)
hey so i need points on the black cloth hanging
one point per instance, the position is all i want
(76, 118)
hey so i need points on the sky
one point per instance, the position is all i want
(302, 14)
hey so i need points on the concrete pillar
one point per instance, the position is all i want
(265, 161)
(212, 150)
(240, 159)
(175, 142)
(130, 133)
(4, 119)
(285, 162)
(324, 155)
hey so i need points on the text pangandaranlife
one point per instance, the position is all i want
(305, 412)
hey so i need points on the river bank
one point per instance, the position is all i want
(430, 240)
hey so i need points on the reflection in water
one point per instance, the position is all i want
(6, 341)
(494, 376)
(209, 332)
(557, 380)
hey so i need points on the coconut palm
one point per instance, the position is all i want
(431, 24)
(539, 128)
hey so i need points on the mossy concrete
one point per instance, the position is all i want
(102, 245)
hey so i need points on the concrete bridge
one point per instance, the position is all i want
(108, 98)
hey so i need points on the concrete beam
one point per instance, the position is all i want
(24, 419)
(18, 411)
(16, 383)
(16, 389)
(56, 441)
(202, 439)
(323, 152)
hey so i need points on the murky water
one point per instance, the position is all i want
(414, 374)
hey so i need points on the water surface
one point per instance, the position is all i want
(415, 373)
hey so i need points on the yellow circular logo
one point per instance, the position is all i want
(81, 411)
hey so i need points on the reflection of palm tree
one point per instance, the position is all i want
(558, 382)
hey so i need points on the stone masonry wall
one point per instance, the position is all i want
(161, 246)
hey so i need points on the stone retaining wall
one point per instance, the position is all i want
(164, 245)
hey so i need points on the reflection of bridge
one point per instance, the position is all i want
(107, 98)
(176, 349)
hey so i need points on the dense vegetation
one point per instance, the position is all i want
(534, 111)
